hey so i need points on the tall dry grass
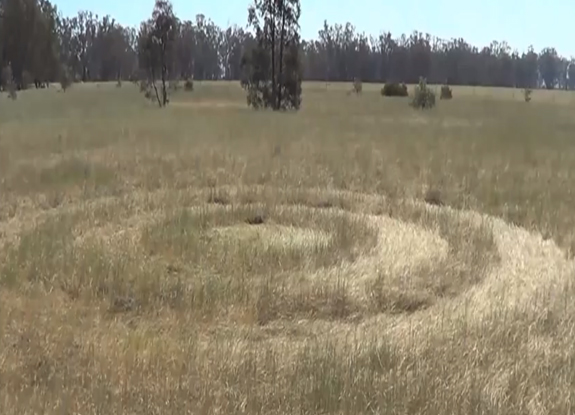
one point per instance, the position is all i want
(206, 258)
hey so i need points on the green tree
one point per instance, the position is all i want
(571, 75)
(28, 37)
(549, 67)
(156, 43)
(272, 67)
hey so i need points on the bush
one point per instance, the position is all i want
(424, 97)
(189, 85)
(6, 76)
(65, 79)
(433, 197)
(527, 94)
(147, 88)
(394, 90)
(27, 80)
(12, 90)
(446, 92)
(174, 85)
(8, 82)
(357, 86)
(259, 96)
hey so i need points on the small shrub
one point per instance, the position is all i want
(446, 92)
(27, 79)
(527, 94)
(147, 88)
(357, 86)
(424, 97)
(259, 96)
(433, 197)
(12, 90)
(152, 92)
(394, 90)
(65, 79)
(189, 85)
(256, 220)
(7, 76)
(8, 82)
(174, 85)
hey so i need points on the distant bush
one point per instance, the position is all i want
(357, 85)
(65, 79)
(174, 85)
(446, 92)
(394, 90)
(423, 97)
(527, 94)
(8, 82)
(6, 75)
(27, 79)
(12, 91)
(258, 96)
(147, 88)
(137, 76)
(189, 85)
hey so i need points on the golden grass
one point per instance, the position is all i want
(206, 258)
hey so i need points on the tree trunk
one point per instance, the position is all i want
(273, 52)
(155, 87)
(281, 57)
(164, 71)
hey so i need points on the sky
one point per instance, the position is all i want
(479, 22)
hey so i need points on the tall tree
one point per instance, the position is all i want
(156, 43)
(571, 75)
(272, 68)
(549, 67)
(28, 38)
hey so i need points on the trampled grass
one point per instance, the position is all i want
(207, 258)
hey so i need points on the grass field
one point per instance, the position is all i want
(210, 259)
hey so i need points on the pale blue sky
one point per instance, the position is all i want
(479, 22)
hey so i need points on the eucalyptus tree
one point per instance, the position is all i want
(156, 47)
(272, 72)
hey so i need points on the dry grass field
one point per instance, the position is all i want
(210, 259)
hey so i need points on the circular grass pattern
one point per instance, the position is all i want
(251, 241)
(273, 253)
(324, 254)
(431, 302)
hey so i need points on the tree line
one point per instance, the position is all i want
(39, 44)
